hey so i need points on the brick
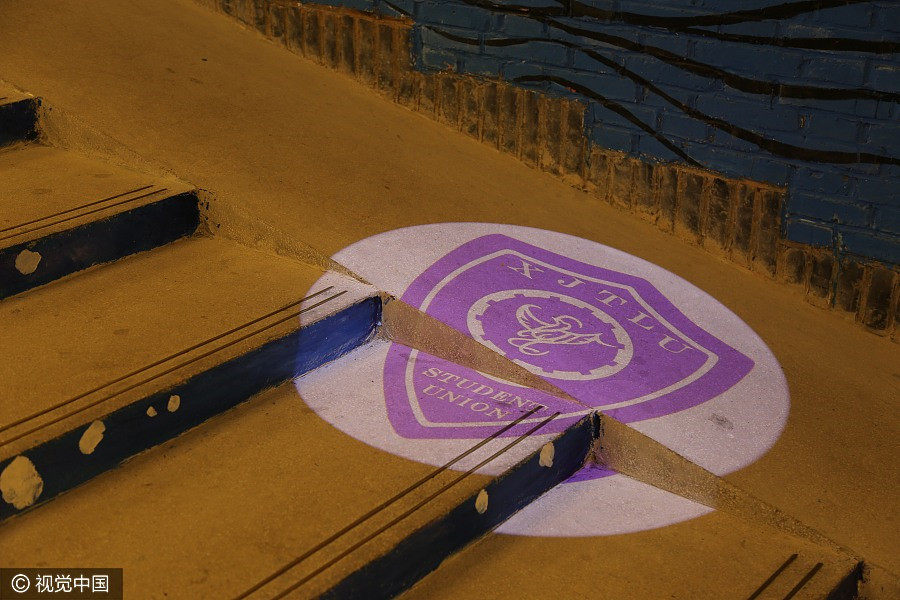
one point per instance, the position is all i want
(717, 208)
(642, 197)
(456, 15)
(813, 206)
(346, 43)
(258, 10)
(614, 138)
(821, 275)
(311, 34)
(448, 103)
(507, 118)
(887, 219)
(330, 45)
(408, 87)
(571, 154)
(528, 126)
(807, 232)
(536, 52)
(385, 61)
(490, 122)
(276, 23)
(365, 50)
(429, 94)
(620, 174)
(846, 71)
(665, 193)
(687, 213)
(767, 215)
(470, 108)
(598, 172)
(230, 7)
(742, 232)
(402, 50)
(293, 28)
(550, 131)
(871, 244)
(241, 9)
(479, 65)
(792, 266)
(848, 282)
(877, 313)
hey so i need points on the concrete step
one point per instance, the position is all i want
(269, 500)
(713, 556)
(18, 116)
(61, 212)
(227, 506)
(118, 359)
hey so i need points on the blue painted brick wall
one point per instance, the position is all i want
(818, 86)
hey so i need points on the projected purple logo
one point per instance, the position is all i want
(608, 338)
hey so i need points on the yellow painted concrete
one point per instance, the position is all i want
(331, 162)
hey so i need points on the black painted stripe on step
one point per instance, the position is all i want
(129, 430)
(63, 212)
(83, 214)
(157, 363)
(423, 551)
(381, 507)
(106, 240)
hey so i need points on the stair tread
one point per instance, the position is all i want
(37, 181)
(76, 334)
(281, 480)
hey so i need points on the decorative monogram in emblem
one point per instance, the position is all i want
(559, 330)
(574, 341)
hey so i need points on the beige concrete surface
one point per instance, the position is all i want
(331, 162)
(91, 328)
(211, 513)
(714, 556)
(38, 181)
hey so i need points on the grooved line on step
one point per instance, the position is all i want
(362, 519)
(170, 369)
(409, 512)
(83, 214)
(772, 577)
(803, 581)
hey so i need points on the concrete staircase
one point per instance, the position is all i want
(130, 328)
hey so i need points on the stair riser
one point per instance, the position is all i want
(423, 551)
(122, 234)
(130, 430)
(18, 121)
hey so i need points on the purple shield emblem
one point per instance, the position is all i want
(610, 339)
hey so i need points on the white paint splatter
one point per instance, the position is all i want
(174, 402)
(547, 453)
(481, 502)
(27, 262)
(20, 483)
(151, 412)
(91, 437)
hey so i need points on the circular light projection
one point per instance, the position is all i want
(615, 331)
